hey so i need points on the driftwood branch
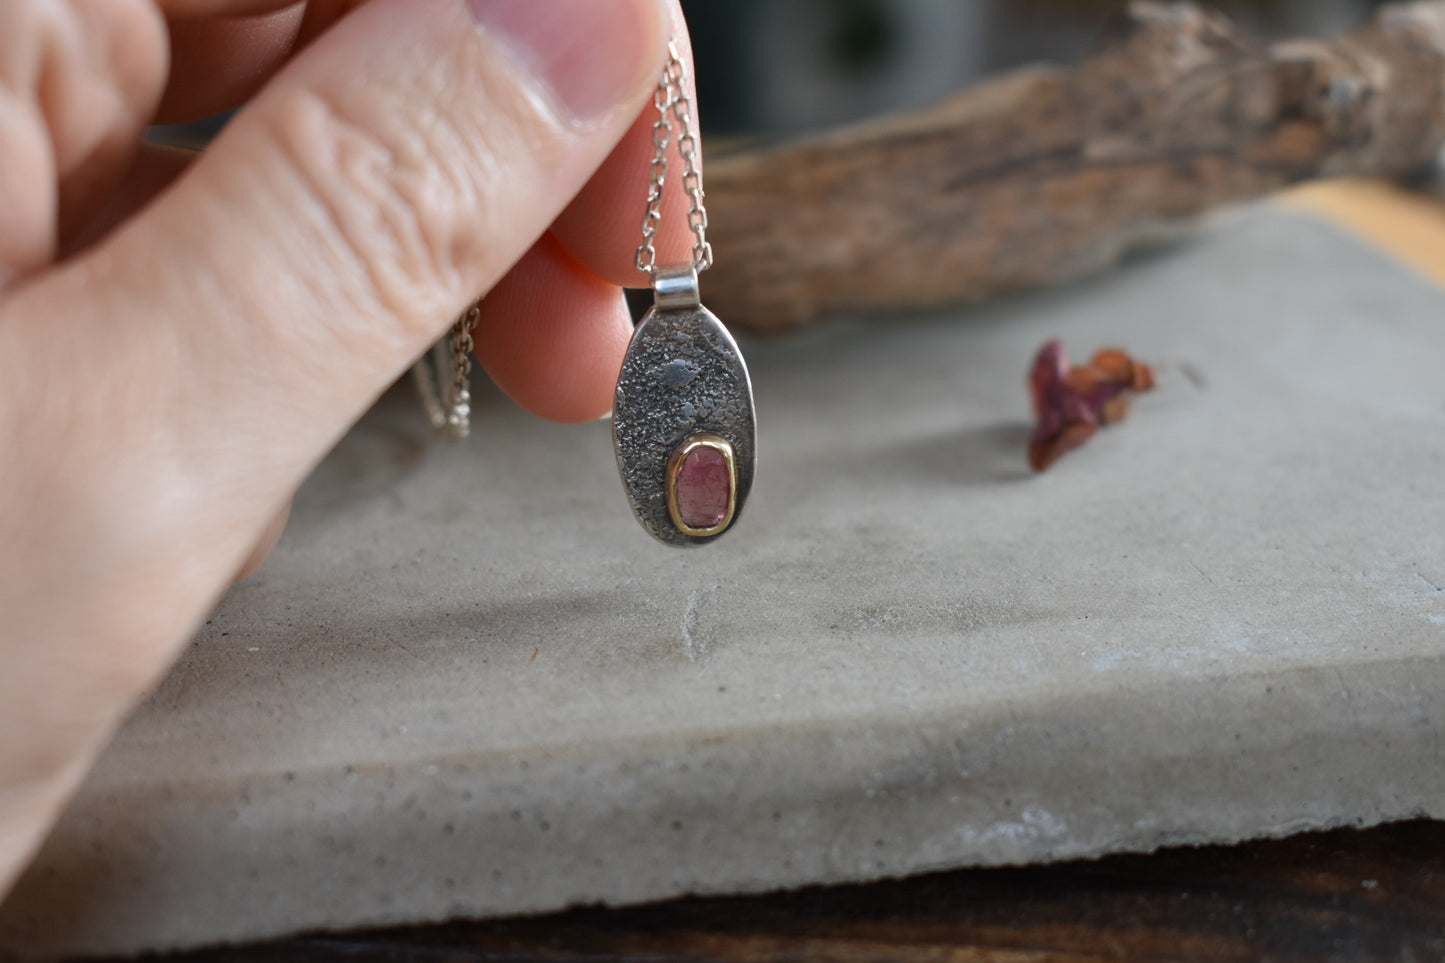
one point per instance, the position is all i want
(1045, 175)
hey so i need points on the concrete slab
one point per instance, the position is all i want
(468, 684)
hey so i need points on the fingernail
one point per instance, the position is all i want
(589, 54)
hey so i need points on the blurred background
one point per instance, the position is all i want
(779, 67)
(767, 69)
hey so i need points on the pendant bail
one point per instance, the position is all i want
(675, 288)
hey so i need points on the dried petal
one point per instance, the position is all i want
(1071, 403)
(1043, 452)
(1050, 366)
(1115, 410)
(1143, 379)
(1118, 366)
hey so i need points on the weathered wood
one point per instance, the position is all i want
(1045, 175)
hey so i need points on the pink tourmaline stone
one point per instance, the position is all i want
(704, 485)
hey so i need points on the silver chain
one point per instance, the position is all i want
(451, 413)
(672, 104)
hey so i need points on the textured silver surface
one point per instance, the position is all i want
(683, 373)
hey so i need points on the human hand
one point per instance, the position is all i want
(180, 345)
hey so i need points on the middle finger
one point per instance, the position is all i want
(602, 227)
(218, 63)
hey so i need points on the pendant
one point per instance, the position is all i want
(682, 421)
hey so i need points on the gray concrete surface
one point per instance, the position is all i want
(469, 684)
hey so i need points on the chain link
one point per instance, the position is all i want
(451, 414)
(674, 106)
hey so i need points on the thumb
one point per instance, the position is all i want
(389, 176)
(185, 374)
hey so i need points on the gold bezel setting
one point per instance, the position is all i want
(701, 439)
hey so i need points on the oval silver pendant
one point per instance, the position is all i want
(683, 425)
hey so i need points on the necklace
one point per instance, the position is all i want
(683, 425)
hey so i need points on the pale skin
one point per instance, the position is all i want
(181, 341)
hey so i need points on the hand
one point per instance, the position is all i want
(180, 344)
